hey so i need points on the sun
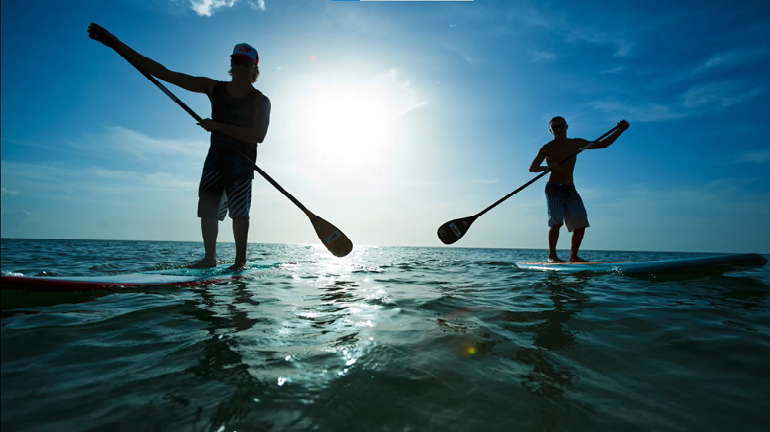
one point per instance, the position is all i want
(347, 131)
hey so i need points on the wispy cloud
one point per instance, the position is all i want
(17, 217)
(139, 146)
(147, 165)
(539, 56)
(575, 35)
(8, 192)
(26, 143)
(258, 6)
(612, 71)
(207, 7)
(740, 58)
(525, 15)
(721, 93)
(759, 156)
(731, 59)
(404, 95)
(644, 112)
(699, 99)
(41, 179)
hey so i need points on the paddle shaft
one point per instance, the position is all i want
(198, 119)
(544, 173)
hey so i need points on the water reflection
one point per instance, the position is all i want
(220, 361)
(278, 358)
(550, 333)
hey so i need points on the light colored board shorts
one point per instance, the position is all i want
(565, 206)
(219, 193)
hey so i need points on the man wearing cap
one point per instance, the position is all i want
(240, 115)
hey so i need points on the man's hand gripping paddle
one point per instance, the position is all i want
(455, 229)
(335, 241)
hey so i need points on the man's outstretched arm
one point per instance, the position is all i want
(187, 82)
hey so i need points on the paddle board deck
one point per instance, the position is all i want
(720, 263)
(176, 277)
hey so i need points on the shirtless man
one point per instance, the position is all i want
(564, 203)
(240, 117)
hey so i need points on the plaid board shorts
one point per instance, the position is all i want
(219, 192)
(565, 205)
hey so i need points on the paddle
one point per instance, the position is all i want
(335, 241)
(455, 229)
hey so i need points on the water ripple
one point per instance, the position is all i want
(385, 339)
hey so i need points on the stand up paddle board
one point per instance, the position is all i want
(721, 263)
(176, 277)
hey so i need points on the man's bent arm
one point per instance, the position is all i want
(623, 125)
(254, 134)
(535, 167)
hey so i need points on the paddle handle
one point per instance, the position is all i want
(198, 119)
(546, 172)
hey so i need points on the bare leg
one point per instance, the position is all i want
(577, 238)
(241, 235)
(553, 238)
(209, 229)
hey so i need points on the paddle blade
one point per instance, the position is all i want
(338, 243)
(455, 229)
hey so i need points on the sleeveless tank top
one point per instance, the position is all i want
(227, 109)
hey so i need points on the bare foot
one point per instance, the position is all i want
(238, 267)
(576, 259)
(555, 260)
(204, 263)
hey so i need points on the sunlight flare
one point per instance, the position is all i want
(348, 129)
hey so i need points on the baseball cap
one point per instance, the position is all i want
(246, 50)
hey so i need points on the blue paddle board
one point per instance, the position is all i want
(176, 277)
(720, 263)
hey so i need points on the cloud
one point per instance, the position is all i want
(8, 192)
(139, 146)
(612, 71)
(731, 59)
(746, 58)
(699, 99)
(259, 6)
(527, 16)
(403, 93)
(720, 93)
(645, 112)
(46, 180)
(573, 34)
(115, 161)
(17, 217)
(759, 156)
(26, 143)
(538, 56)
(207, 7)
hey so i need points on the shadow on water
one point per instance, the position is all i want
(13, 302)
(549, 333)
(534, 328)
(220, 362)
(744, 292)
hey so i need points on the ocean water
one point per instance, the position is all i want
(387, 339)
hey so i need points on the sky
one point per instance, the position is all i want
(390, 118)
